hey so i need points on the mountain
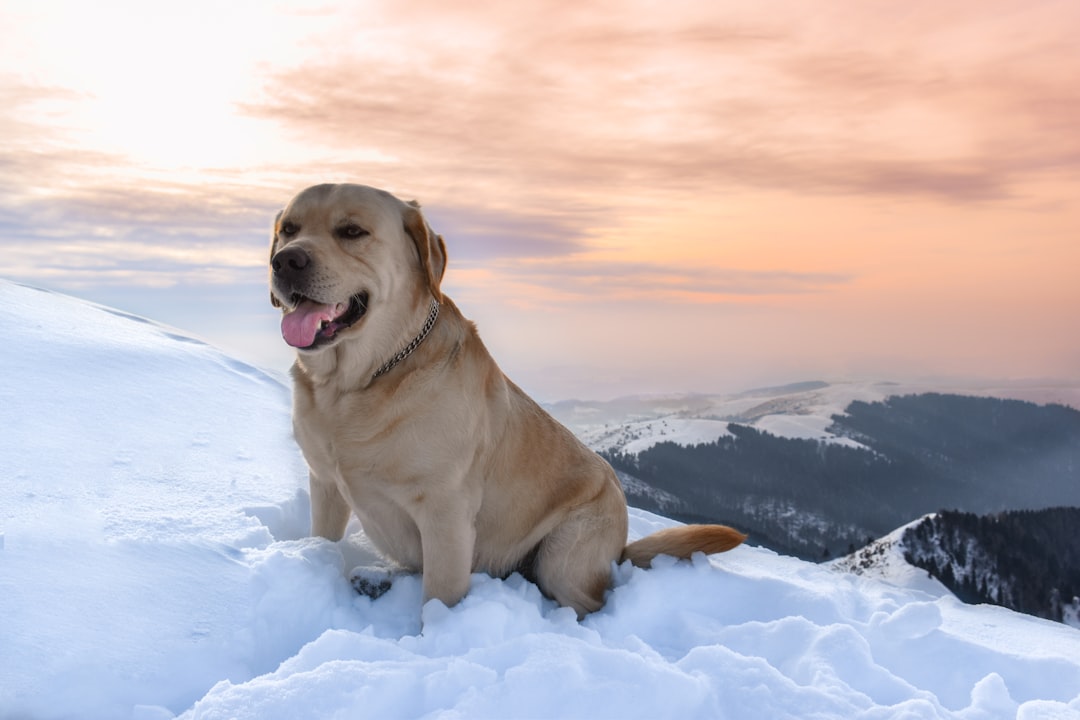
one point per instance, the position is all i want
(154, 563)
(1024, 560)
(868, 469)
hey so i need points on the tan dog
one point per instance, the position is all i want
(405, 419)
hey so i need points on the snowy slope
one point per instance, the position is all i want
(153, 565)
(640, 435)
(884, 559)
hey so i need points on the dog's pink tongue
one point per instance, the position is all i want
(300, 326)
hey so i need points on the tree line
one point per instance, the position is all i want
(1027, 560)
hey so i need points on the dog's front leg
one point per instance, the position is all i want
(448, 556)
(329, 511)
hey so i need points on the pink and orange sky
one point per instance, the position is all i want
(636, 196)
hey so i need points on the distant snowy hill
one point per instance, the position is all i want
(154, 564)
(799, 411)
(634, 424)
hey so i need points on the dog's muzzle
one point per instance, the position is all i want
(309, 322)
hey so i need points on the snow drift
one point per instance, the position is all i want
(153, 563)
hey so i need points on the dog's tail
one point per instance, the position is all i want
(682, 542)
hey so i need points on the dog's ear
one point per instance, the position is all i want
(273, 251)
(429, 246)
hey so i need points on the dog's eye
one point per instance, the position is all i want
(289, 229)
(351, 231)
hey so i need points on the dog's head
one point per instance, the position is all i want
(350, 260)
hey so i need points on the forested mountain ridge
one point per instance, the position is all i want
(1026, 560)
(916, 454)
(1027, 456)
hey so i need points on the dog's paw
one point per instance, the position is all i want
(371, 581)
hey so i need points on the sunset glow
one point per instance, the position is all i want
(636, 197)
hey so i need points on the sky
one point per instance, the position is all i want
(637, 197)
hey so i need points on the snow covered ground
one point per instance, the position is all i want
(884, 559)
(153, 563)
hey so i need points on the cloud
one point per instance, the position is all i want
(90, 234)
(596, 281)
(480, 234)
(77, 217)
(695, 97)
(90, 262)
(533, 144)
(24, 104)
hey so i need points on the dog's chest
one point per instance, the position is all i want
(359, 443)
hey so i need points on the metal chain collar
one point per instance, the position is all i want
(433, 315)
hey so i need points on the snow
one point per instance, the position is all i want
(884, 559)
(154, 564)
(638, 436)
(804, 427)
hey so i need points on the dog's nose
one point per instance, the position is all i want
(290, 261)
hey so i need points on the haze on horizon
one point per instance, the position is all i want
(636, 197)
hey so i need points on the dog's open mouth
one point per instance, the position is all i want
(310, 323)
